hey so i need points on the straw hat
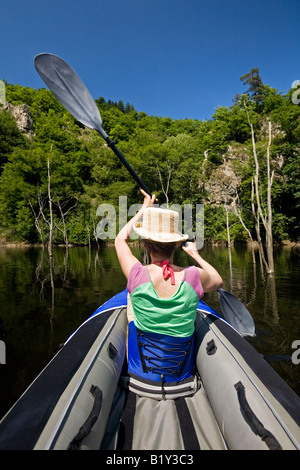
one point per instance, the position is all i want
(159, 225)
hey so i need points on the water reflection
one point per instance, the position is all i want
(44, 299)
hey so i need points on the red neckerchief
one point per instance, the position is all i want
(167, 270)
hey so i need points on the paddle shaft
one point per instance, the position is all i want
(121, 157)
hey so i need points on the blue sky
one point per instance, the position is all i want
(176, 58)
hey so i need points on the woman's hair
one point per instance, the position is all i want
(158, 248)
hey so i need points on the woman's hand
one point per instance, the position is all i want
(210, 278)
(126, 258)
(190, 248)
(148, 200)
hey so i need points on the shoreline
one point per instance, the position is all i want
(218, 243)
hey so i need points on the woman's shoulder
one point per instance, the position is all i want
(137, 275)
(193, 277)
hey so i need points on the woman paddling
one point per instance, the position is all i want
(163, 297)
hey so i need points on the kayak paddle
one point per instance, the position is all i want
(235, 312)
(72, 93)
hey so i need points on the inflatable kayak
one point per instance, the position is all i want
(83, 399)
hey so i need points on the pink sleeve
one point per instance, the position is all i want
(192, 276)
(138, 275)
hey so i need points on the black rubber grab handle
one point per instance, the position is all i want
(90, 421)
(252, 420)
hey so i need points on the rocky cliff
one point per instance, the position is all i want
(21, 114)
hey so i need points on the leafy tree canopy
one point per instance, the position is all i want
(177, 159)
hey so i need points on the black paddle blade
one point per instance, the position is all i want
(236, 314)
(69, 89)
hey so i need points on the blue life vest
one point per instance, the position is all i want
(158, 357)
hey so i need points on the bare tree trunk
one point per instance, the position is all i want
(239, 215)
(95, 233)
(89, 236)
(50, 210)
(267, 217)
(165, 188)
(37, 220)
(229, 243)
(268, 226)
(227, 225)
(64, 208)
(63, 215)
(257, 229)
(62, 218)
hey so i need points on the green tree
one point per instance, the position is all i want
(256, 88)
(174, 158)
(10, 137)
(24, 185)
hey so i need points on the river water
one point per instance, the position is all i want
(43, 302)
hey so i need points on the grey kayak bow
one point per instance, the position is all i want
(72, 93)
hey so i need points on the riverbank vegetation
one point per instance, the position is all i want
(243, 165)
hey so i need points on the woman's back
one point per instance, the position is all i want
(164, 287)
(172, 314)
(163, 297)
(160, 342)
